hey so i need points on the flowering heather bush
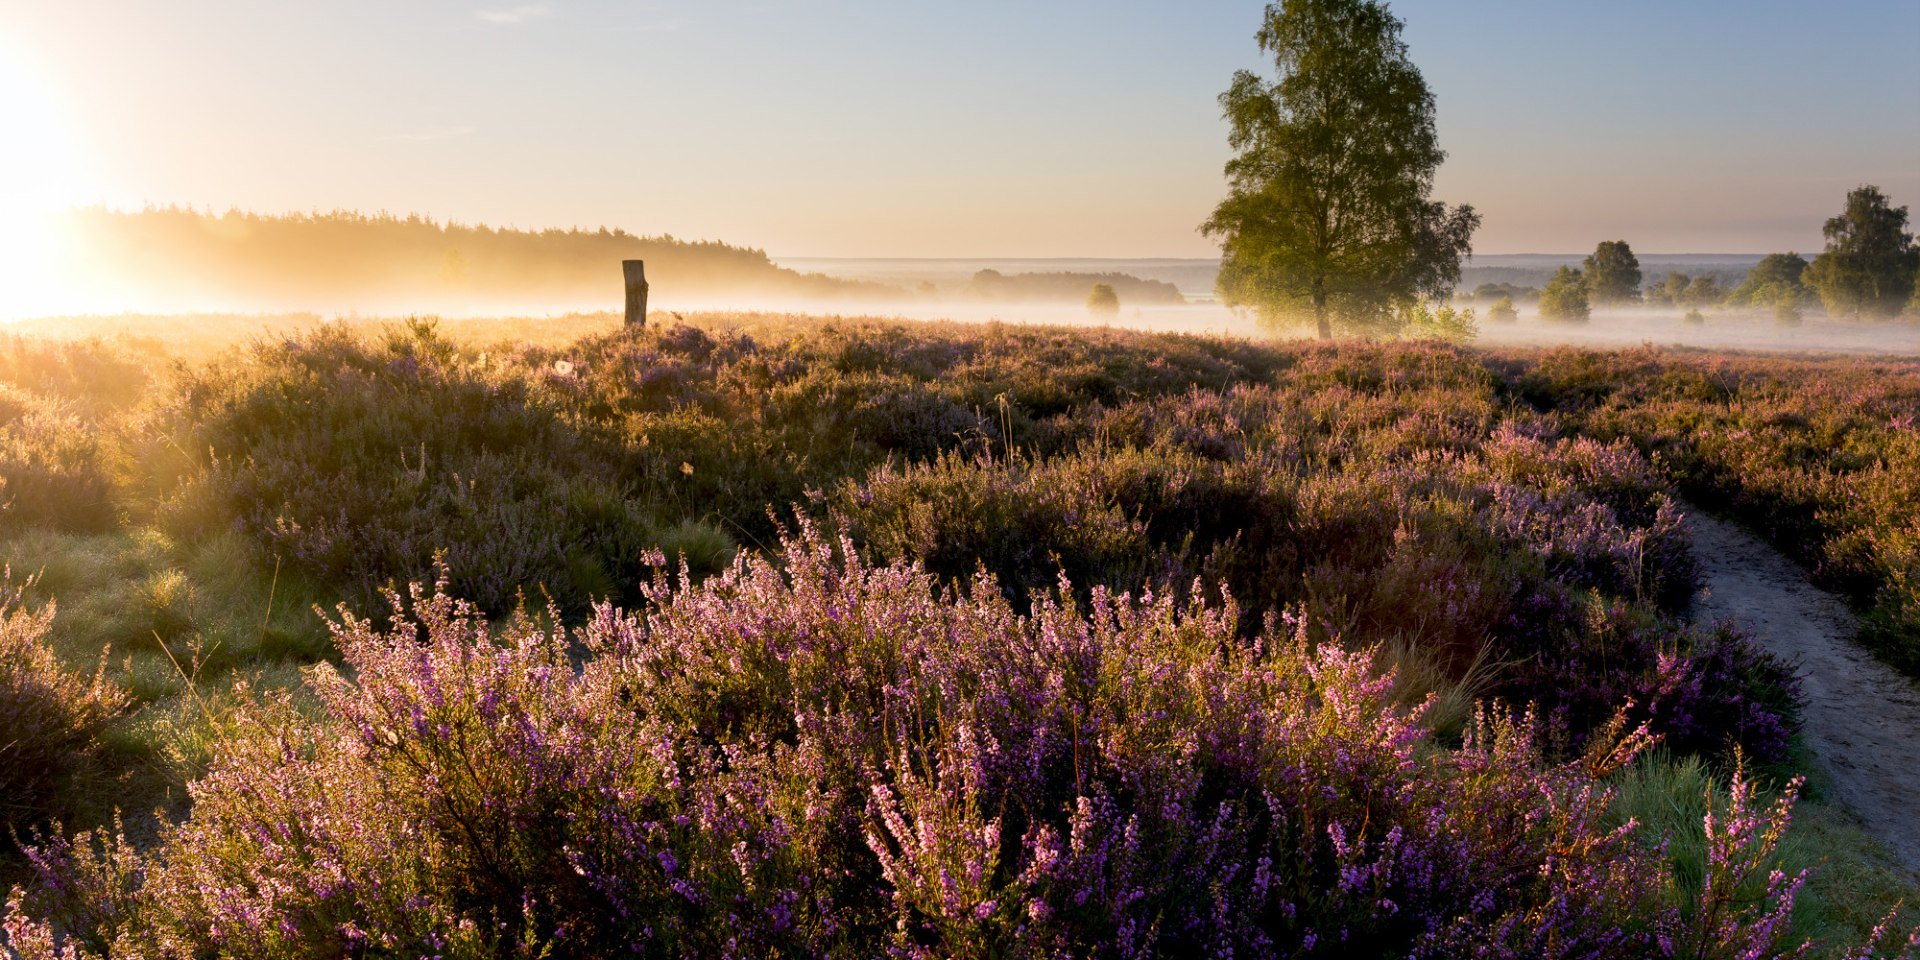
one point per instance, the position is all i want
(1386, 492)
(49, 716)
(357, 461)
(814, 756)
(53, 466)
(1396, 515)
(1821, 457)
(61, 407)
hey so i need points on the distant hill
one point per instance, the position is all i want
(1066, 288)
(174, 258)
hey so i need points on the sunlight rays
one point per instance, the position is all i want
(42, 176)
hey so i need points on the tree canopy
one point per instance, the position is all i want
(1328, 213)
(1870, 261)
(1776, 276)
(1613, 273)
(1565, 297)
(1672, 291)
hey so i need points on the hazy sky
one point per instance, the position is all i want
(910, 128)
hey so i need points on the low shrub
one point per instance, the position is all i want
(55, 467)
(357, 461)
(50, 717)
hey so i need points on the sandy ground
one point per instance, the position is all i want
(1862, 718)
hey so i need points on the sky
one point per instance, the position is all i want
(989, 128)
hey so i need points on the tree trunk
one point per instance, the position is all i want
(1320, 318)
(635, 273)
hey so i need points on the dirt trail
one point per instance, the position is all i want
(1862, 718)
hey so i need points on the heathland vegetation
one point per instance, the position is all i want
(859, 638)
(1822, 455)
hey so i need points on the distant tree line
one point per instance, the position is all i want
(1491, 292)
(1869, 270)
(171, 255)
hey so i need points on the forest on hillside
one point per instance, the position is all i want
(179, 257)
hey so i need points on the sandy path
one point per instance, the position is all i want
(1862, 718)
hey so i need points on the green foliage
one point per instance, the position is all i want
(1693, 317)
(1565, 297)
(1103, 302)
(1851, 887)
(1613, 273)
(1355, 245)
(1509, 291)
(1502, 311)
(62, 413)
(1704, 291)
(1785, 299)
(1764, 283)
(1670, 292)
(1870, 264)
(1424, 321)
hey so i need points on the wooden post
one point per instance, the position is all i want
(636, 274)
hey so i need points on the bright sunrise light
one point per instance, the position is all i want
(41, 177)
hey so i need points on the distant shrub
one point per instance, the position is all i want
(817, 757)
(50, 717)
(1455, 555)
(1448, 324)
(1386, 490)
(1503, 311)
(1694, 318)
(1103, 302)
(1565, 297)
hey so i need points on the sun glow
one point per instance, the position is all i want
(42, 176)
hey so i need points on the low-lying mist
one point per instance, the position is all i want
(557, 323)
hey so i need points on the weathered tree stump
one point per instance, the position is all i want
(636, 274)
